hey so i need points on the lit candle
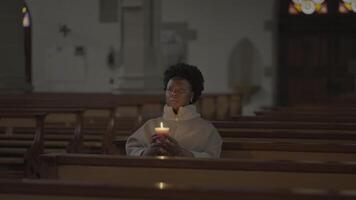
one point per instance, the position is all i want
(162, 130)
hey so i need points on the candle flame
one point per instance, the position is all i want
(161, 157)
(161, 124)
(161, 185)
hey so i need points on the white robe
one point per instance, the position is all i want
(187, 127)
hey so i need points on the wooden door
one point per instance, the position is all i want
(315, 56)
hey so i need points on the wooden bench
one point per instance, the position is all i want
(213, 106)
(76, 143)
(296, 118)
(262, 149)
(339, 131)
(316, 107)
(24, 151)
(288, 134)
(286, 125)
(88, 102)
(288, 150)
(198, 172)
(333, 113)
(16, 140)
(28, 162)
(74, 190)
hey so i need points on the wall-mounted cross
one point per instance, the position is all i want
(64, 30)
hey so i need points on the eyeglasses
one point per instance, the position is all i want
(177, 91)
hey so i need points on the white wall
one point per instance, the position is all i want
(220, 25)
(82, 17)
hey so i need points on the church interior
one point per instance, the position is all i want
(78, 80)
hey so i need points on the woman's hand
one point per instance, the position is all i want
(172, 147)
(153, 150)
(156, 148)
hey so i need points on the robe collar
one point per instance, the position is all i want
(184, 113)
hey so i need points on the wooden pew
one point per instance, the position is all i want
(325, 113)
(198, 172)
(281, 143)
(229, 132)
(262, 149)
(313, 122)
(229, 129)
(15, 166)
(296, 118)
(75, 190)
(59, 101)
(16, 148)
(316, 107)
(310, 112)
(286, 125)
(289, 150)
(84, 101)
(75, 142)
(212, 106)
(104, 99)
(290, 129)
(288, 134)
(15, 145)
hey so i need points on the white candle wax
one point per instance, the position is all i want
(162, 130)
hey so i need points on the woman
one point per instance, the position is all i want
(189, 135)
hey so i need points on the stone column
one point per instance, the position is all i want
(12, 53)
(140, 70)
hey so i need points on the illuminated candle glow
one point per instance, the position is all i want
(162, 130)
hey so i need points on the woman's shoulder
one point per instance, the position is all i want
(205, 122)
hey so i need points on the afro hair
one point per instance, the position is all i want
(188, 72)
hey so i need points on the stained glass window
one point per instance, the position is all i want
(307, 7)
(26, 17)
(347, 6)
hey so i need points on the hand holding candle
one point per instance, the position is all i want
(162, 130)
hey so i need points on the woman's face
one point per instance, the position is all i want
(178, 93)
